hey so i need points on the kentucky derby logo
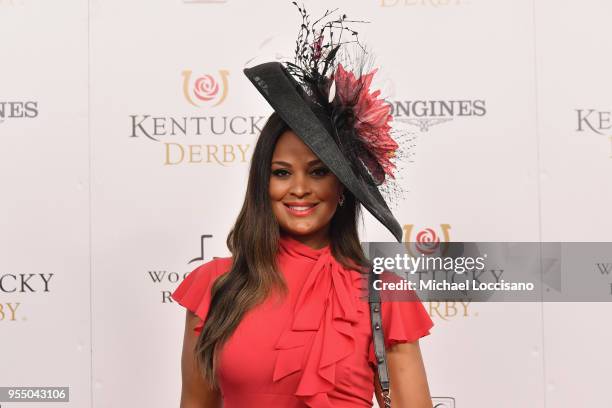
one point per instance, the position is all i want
(426, 241)
(206, 89)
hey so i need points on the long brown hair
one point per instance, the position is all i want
(253, 242)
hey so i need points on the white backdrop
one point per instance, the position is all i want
(118, 177)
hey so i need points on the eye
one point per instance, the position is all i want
(320, 171)
(280, 172)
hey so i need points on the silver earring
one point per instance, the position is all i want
(341, 200)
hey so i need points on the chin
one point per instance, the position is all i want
(300, 231)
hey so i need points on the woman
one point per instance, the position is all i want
(282, 322)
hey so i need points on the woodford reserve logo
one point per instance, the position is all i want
(427, 113)
(203, 91)
(595, 121)
(167, 281)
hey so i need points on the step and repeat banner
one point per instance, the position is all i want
(126, 131)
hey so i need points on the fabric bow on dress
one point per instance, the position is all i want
(321, 333)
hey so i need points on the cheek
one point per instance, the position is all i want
(329, 190)
(275, 190)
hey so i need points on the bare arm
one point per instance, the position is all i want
(407, 378)
(195, 392)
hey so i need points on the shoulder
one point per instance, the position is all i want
(199, 281)
(223, 264)
(212, 269)
(194, 291)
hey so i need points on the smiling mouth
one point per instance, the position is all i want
(301, 209)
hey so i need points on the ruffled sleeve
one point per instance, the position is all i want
(404, 318)
(195, 290)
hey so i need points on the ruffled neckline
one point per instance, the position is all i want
(321, 332)
(295, 248)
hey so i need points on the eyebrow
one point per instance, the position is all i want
(283, 163)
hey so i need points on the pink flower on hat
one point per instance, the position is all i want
(372, 117)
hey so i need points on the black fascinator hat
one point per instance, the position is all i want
(333, 111)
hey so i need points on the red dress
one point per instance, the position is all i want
(312, 349)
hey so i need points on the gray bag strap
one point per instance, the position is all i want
(378, 338)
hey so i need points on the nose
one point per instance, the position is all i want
(300, 185)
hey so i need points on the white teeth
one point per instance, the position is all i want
(300, 208)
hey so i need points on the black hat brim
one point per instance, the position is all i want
(286, 97)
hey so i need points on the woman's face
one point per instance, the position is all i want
(304, 193)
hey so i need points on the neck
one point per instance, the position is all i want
(316, 241)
